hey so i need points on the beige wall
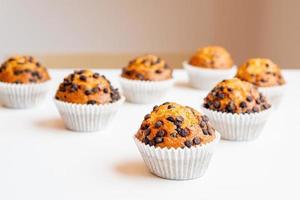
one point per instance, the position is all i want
(106, 33)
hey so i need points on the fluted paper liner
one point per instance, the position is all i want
(144, 92)
(178, 164)
(274, 94)
(23, 95)
(205, 78)
(87, 118)
(238, 127)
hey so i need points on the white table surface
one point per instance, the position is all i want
(40, 159)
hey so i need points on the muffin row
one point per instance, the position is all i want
(175, 141)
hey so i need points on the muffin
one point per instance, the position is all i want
(236, 109)
(23, 82)
(177, 138)
(261, 72)
(236, 96)
(23, 70)
(214, 57)
(87, 101)
(87, 87)
(146, 79)
(208, 66)
(266, 75)
(147, 68)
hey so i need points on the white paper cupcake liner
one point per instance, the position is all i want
(205, 79)
(178, 164)
(274, 94)
(238, 127)
(23, 95)
(87, 118)
(144, 92)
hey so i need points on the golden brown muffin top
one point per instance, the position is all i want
(87, 87)
(261, 72)
(149, 68)
(212, 57)
(173, 125)
(23, 70)
(236, 96)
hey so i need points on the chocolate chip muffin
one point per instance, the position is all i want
(86, 87)
(23, 70)
(173, 125)
(261, 72)
(147, 68)
(236, 96)
(215, 57)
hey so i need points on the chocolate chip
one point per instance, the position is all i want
(182, 132)
(205, 131)
(174, 135)
(210, 131)
(266, 106)
(73, 87)
(170, 106)
(92, 102)
(206, 105)
(155, 107)
(202, 124)
(144, 126)
(220, 95)
(83, 78)
(38, 64)
(96, 75)
(243, 104)
(249, 98)
(230, 107)
(161, 133)
(147, 116)
(159, 140)
(158, 71)
(255, 109)
(204, 118)
(37, 74)
(32, 80)
(139, 76)
(18, 72)
(196, 140)
(171, 119)
(158, 124)
(115, 95)
(217, 104)
(27, 71)
(229, 89)
(147, 131)
(95, 90)
(188, 143)
(105, 90)
(18, 82)
(258, 101)
(88, 92)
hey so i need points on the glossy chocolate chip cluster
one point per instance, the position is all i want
(261, 72)
(23, 70)
(148, 68)
(173, 125)
(236, 96)
(87, 87)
